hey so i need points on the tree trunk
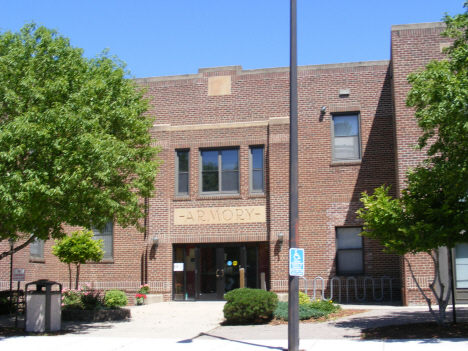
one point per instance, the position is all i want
(77, 275)
(70, 275)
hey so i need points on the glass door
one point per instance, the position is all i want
(211, 277)
(219, 271)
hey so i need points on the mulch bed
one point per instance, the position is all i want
(427, 330)
(332, 316)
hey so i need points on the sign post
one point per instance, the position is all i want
(293, 295)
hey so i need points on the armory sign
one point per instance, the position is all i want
(219, 215)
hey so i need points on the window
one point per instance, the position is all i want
(220, 171)
(182, 173)
(107, 237)
(36, 249)
(349, 252)
(256, 168)
(461, 266)
(346, 137)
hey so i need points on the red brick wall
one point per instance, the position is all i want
(329, 191)
(413, 46)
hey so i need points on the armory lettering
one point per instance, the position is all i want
(213, 215)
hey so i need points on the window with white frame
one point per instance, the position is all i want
(36, 249)
(106, 234)
(461, 266)
(182, 172)
(256, 169)
(346, 138)
(219, 171)
(349, 251)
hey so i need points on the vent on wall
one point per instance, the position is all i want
(344, 92)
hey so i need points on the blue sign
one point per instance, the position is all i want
(229, 263)
(296, 262)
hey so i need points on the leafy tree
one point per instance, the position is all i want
(77, 249)
(75, 146)
(432, 211)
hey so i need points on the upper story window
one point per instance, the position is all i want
(36, 249)
(219, 171)
(349, 251)
(346, 137)
(256, 168)
(182, 173)
(106, 235)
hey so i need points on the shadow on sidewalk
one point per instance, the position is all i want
(188, 341)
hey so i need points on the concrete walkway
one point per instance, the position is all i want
(195, 326)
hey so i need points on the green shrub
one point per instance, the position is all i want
(92, 300)
(115, 298)
(249, 305)
(305, 312)
(303, 298)
(71, 299)
(82, 298)
(324, 305)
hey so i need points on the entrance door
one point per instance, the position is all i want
(219, 271)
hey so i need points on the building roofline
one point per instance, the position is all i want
(240, 71)
(418, 26)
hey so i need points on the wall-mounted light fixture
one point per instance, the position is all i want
(280, 239)
(155, 240)
(323, 109)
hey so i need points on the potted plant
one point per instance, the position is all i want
(140, 299)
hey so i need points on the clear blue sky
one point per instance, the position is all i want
(169, 37)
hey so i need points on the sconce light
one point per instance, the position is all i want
(323, 109)
(12, 243)
(155, 240)
(280, 239)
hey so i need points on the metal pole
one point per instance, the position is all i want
(293, 298)
(12, 242)
(454, 311)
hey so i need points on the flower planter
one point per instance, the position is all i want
(95, 316)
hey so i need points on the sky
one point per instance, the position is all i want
(172, 37)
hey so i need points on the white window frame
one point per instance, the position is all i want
(37, 244)
(108, 235)
(347, 159)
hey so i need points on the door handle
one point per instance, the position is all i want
(219, 273)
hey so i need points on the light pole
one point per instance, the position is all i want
(12, 243)
(293, 296)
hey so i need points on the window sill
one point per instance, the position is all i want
(36, 260)
(181, 198)
(219, 196)
(254, 195)
(348, 275)
(103, 261)
(346, 163)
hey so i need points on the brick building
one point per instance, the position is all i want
(222, 190)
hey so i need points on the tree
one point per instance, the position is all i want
(75, 146)
(78, 248)
(432, 212)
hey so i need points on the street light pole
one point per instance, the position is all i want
(12, 243)
(293, 297)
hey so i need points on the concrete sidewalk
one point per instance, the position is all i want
(90, 343)
(196, 326)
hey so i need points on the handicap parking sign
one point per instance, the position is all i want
(296, 262)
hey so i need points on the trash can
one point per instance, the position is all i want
(43, 307)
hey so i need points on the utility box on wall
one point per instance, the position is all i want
(43, 307)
